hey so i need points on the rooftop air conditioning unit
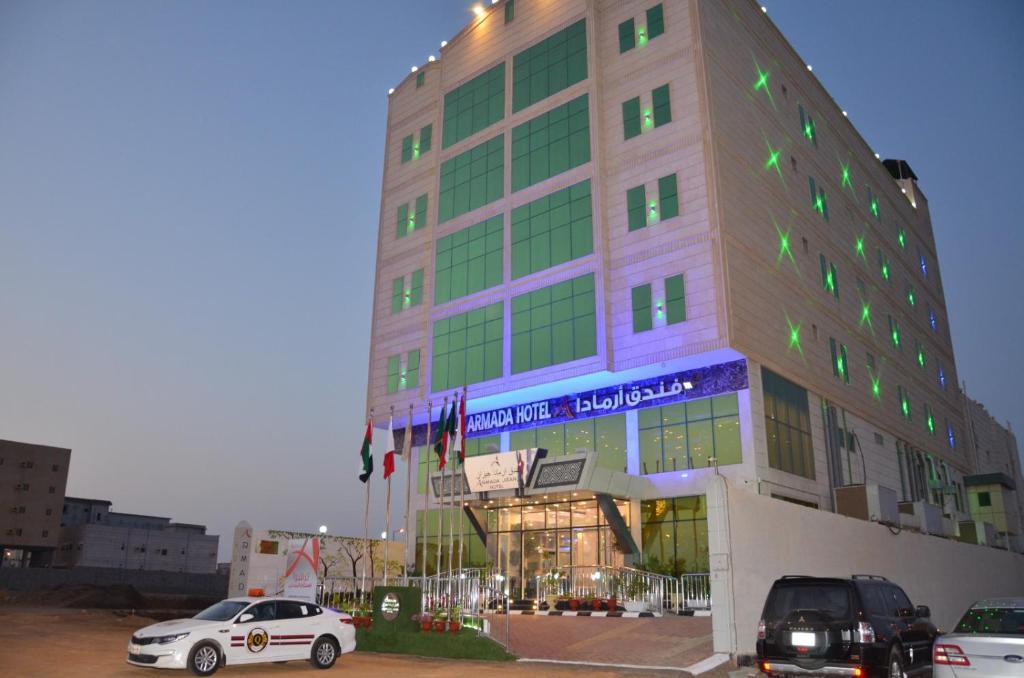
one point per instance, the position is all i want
(981, 533)
(908, 519)
(868, 502)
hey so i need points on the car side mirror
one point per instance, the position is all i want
(922, 612)
(246, 617)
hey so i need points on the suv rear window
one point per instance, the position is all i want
(993, 620)
(831, 599)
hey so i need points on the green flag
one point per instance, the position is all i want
(441, 439)
(365, 452)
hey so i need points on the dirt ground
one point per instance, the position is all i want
(74, 643)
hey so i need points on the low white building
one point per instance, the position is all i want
(259, 559)
(91, 535)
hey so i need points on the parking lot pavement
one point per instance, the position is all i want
(56, 643)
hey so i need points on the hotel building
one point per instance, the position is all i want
(648, 241)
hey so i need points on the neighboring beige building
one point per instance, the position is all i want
(996, 489)
(91, 535)
(654, 212)
(32, 483)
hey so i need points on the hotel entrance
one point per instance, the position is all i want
(531, 537)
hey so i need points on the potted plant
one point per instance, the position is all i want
(636, 588)
(574, 604)
(551, 583)
(426, 621)
(613, 588)
(456, 620)
(440, 621)
(562, 603)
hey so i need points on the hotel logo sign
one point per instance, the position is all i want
(672, 388)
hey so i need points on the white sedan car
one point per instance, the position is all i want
(987, 643)
(245, 631)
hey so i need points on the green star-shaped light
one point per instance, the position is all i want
(865, 315)
(809, 130)
(896, 337)
(859, 247)
(885, 270)
(920, 356)
(794, 336)
(830, 281)
(874, 207)
(931, 424)
(762, 82)
(784, 250)
(773, 160)
(845, 181)
(901, 238)
(876, 387)
(905, 407)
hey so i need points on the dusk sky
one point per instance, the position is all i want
(189, 204)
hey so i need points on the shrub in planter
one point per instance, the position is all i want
(574, 604)
(612, 604)
(453, 626)
(439, 625)
(425, 622)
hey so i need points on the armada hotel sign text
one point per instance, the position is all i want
(689, 385)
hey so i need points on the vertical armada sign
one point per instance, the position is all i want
(300, 574)
(240, 550)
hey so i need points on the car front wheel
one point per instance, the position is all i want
(324, 653)
(204, 659)
(895, 663)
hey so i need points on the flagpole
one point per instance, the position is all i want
(462, 471)
(407, 454)
(366, 520)
(426, 496)
(440, 499)
(387, 501)
(451, 507)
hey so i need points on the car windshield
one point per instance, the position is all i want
(830, 599)
(1003, 621)
(222, 611)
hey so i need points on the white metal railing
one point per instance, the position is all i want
(695, 591)
(633, 589)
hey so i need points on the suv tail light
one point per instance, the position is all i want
(762, 629)
(865, 634)
(345, 620)
(950, 655)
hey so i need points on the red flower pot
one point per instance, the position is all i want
(453, 626)
(439, 626)
(426, 624)
(574, 604)
(596, 604)
(612, 603)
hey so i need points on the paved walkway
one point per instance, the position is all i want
(668, 641)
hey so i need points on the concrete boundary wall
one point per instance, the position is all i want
(144, 581)
(767, 538)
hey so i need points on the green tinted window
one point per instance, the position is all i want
(655, 21)
(631, 118)
(420, 217)
(474, 106)
(416, 288)
(420, 78)
(549, 66)
(636, 209)
(468, 261)
(552, 230)
(551, 143)
(467, 348)
(675, 299)
(425, 138)
(394, 368)
(688, 435)
(403, 224)
(788, 425)
(668, 197)
(407, 148)
(554, 325)
(510, 11)
(662, 106)
(472, 179)
(642, 319)
(397, 295)
(627, 36)
(412, 369)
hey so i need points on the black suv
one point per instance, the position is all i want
(861, 627)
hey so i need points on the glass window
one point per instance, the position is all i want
(407, 148)
(675, 299)
(631, 118)
(397, 295)
(787, 420)
(412, 370)
(662, 106)
(426, 133)
(655, 21)
(675, 535)
(510, 11)
(1003, 620)
(627, 36)
(687, 435)
(472, 179)
(394, 370)
(551, 143)
(636, 208)
(408, 221)
(420, 79)
(604, 435)
(642, 319)
(668, 197)
(808, 127)
(415, 292)
(467, 348)
(474, 106)
(552, 230)
(554, 325)
(549, 66)
(469, 260)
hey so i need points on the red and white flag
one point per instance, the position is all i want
(389, 456)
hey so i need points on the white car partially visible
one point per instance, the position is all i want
(245, 631)
(987, 642)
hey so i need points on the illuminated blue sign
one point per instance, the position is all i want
(702, 382)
